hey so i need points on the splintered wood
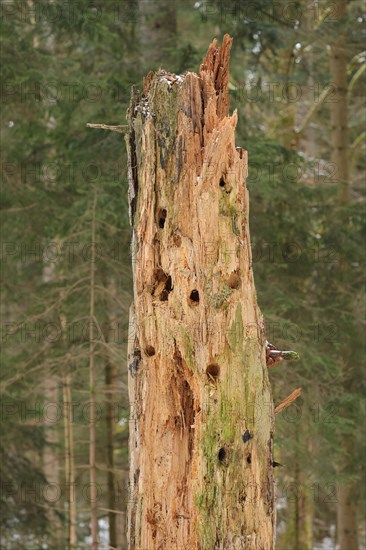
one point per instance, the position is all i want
(197, 367)
(287, 402)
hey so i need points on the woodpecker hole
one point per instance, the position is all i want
(249, 458)
(194, 296)
(162, 217)
(160, 274)
(222, 182)
(163, 284)
(221, 455)
(168, 288)
(213, 371)
(234, 280)
(150, 350)
(168, 284)
(164, 296)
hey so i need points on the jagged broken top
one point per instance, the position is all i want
(214, 75)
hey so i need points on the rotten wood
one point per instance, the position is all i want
(196, 356)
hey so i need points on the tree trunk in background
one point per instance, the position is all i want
(158, 32)
(285, 129)
(198, 380)
(92, 396)
(69, 463)
(347, 527)
(303, 513)
(50, 452)
(307, 139)
(110, 378)
(338, 101)
(110, 386)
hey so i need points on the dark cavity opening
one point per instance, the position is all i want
(162, 217)
(221, 455)
(160, 274)
(222, 182)
(168, 284)
(162, 277)
(234, 280)
(195, 296)
(150, 350)
(249, 458)
(213, 371)
(164, 296)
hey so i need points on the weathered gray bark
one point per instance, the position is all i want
(201, 408)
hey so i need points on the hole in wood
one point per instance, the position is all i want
(234, 280)
(163, 284)
(168, 284)
(160, 274)
(221, 455)
(213, 371)
(242, 498)
(240, 151)
(150, 350)
(162, 217)
(222, 182)
(195, 296)
(249, 458)
(164, 296)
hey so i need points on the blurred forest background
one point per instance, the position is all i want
(298, 83)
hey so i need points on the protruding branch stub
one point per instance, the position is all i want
(287, 402)
(120, 128)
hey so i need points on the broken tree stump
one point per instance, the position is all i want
(198, 378)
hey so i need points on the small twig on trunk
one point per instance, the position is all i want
(119, 128)
(286, 402)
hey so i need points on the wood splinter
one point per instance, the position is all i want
(287, 402)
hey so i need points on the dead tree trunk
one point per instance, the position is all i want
(201, 407)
